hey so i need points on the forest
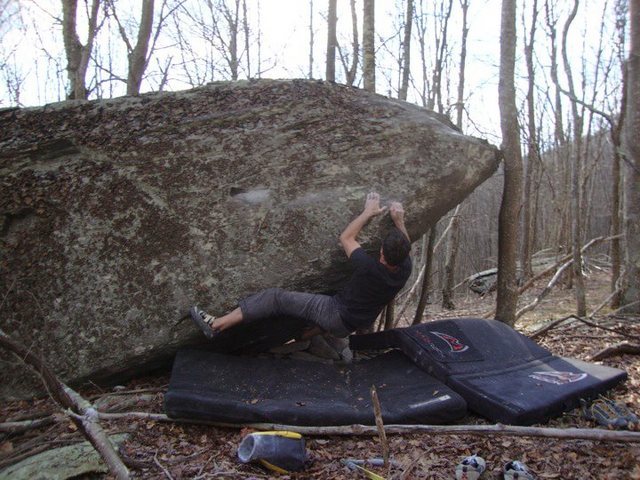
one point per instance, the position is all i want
(549, 245)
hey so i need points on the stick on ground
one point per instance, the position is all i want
(617, 349)
(595, 434)
(380, 425)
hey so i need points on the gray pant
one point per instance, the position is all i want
(321, 310)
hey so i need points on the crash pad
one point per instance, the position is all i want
(216, 387)
(503, 375)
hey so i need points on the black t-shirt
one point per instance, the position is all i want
(370, 288)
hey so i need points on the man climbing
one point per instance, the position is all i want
(373, 284)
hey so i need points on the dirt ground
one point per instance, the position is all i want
(171, 450)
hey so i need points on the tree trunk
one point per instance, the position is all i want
(234, 63)
(532, 150)
(406, 52)
(426, 280)
(616, 194)
(421, 31)
(632, 170)
(138, 56)
(368, 46)
(78, 55)
(353, 69)
(576, 176)
(616, 228)
(245, 26)
(453, 243)
(507, 297)
(439, 65)
(332, 20)
(551, 25)
(389, 315)
(311, 40)
(450, 265)
(463, 61)
(73, 49)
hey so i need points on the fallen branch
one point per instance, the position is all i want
(548, 327)
(555, 323)
(79, 410)
(545, 290)
(546, 271)
(602, 327)
(157, 462)
(26, 425)
(624, 307)
(605, 302)
(596, 434)
(617, 349)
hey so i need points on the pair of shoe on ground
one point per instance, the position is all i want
(472, 467)
(610, 414)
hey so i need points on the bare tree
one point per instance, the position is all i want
(453, 245)
(406, 51)
(507, 297)
(311, 38)
(632, 170)
(426, 281)
(454, 231)
(576, 174)
(332, 20)
(231, 16)
(10, 67)
(551, 22)
(441, 48)
(616, 140)
(138, 55)
(350, 69)
(368, 45)
(464, 4)
(78, 55)
(9, 12)
(420, 19)
(245, 28)
(532, 147)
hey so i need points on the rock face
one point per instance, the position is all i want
(117, 215)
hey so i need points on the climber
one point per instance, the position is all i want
(373, 284)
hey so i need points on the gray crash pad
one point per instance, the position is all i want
(240, 389)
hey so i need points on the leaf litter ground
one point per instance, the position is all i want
(171, 450)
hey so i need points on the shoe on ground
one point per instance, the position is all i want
(606, 413)
(470, 468)
(515, 470)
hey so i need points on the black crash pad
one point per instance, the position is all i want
(503, 375)
(239, 389)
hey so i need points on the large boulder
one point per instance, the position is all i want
(117, 215)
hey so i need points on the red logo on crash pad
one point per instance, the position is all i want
(454, 344)
(558, 378)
